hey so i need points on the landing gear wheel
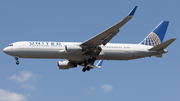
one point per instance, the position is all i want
(88, 68)
(89, 60)
(84, 69)
(93, 58)
(17, 62)
(16, 58)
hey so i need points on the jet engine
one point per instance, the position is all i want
(65, 65)
(73, 48)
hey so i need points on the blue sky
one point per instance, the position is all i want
(147, 79)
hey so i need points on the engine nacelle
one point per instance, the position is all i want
(65, 65)
(73, 48)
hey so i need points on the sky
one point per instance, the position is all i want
(146, 79)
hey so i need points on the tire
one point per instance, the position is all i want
(84, 69)
(88, 68)
(17, 63)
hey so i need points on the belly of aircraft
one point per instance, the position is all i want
(123, 55)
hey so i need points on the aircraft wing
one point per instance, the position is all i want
(107, 35)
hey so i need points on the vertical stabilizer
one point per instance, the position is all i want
(157, 35)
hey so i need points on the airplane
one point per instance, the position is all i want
(96, 48)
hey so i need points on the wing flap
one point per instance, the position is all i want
(107, 39)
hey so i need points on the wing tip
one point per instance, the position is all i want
(132, 11)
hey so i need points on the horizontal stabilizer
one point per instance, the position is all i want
(162, 45)
(158, 56)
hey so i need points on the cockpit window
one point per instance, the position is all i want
(11, 45)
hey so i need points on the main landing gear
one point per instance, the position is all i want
(91, 62)
(17, 62)
(86, 68)
(93, 53)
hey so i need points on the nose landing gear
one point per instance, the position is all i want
(17, 62)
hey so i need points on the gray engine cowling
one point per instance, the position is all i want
(65, 65)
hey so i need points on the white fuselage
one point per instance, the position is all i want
(56, 50)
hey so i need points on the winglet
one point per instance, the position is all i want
(132, 11)
(99, 64)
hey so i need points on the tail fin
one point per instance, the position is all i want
(157, 35)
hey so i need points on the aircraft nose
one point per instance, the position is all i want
(7, 50)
